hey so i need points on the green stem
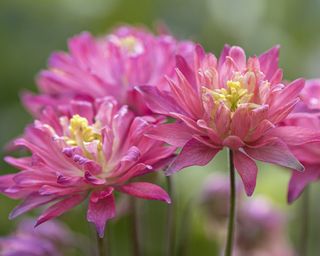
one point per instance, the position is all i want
(170, 231)
(135, 228)
(232, 211)
(101, 246)
(304, 222)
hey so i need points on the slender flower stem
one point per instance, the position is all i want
(170, 231)
(232, 209)
(101, 246)
(135, 228)
(304, 222)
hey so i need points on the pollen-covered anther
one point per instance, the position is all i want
(233, 95)
(131, 45)
(80, 131)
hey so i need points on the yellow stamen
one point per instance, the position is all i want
(232, 96)
(130, 44)
(80, 131)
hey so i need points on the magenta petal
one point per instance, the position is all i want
(193, 153)
(59, 208)
(239, 57)
(247, 170)
(276, 152)
(158, 101)
(82, 108)
(299, 180)
(145, 190)
(173, 134)
(101, 209)
(295, 135)
(32, 201)
(269, 62)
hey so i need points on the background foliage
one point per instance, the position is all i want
(31, 29)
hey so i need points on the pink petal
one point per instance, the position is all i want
(183, 66)
(269, 62)
(241, 122)
(193, 153)
(82, 108)
(159, 101)
(222, 120)
(276, 152)
(145, 190)
(233, 142)
(239, 57)
(247, 170)
(32, 201)
(174, 134)
(101, 209)
(299, 180)
(59, 208)
(295, 135)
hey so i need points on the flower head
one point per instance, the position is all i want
(50, 239)
(85, 152)
(230, 103)
(261, 226)
(107, 66)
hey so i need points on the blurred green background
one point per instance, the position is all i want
(30, 30)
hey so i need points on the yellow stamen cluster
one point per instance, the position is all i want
(80, 131)
(130, 44)
(232, 96)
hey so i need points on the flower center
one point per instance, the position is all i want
(131, 45)
(232, 96)
(81, 132)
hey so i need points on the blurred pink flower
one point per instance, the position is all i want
(306, 115)
(261, 227)
(85, 153)
(107, 66)
(231, 102)
(50, 239)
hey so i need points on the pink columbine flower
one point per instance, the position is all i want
(107, 66)
(306, 115)
(230, 103)
(53, 238)
(85, 153)
(261, 226)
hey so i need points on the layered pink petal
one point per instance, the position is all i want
(276, 152)
(295, 135)
(193, 153)
(32, 201)
(145, 190)
(299, 180)
(101, 209)
(59, 208)
(174, 134)
(247, 170)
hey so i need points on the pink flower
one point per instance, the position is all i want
(85, 153)
(261, 226)
(107, 66)
(230, 103)
(50, 239)
(306, 115)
